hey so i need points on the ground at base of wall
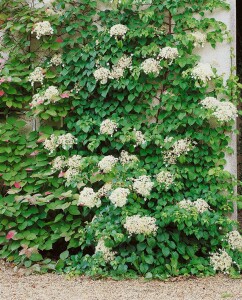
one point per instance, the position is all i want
(15, 286)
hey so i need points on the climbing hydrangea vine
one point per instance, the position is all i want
(124, 175)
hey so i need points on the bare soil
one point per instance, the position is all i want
(16, 286)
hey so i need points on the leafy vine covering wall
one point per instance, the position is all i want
(133, 181)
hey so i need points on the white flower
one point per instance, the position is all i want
(58, 163)
(151, 66)
(119, 197)
(201, 205)
(221, 261)
(37, 100)
(168, 53)
(180, 147)
(37, 76)
(107, 163)
(166, 178)
(108, 127)
(42, 28)
(139, 137)
(74, 162)
(103, 191)
(102, 75)
(88, 198)
(108, 255)
(210, 102)
(51, 94)
(143, 185)
(126, 158)
(199, 38)
(116, 73)
(168, 139)
(235, 240)
(141, 225)
(56, 60)
(71, 174)
(223, 111)
(118, 30)
(51, 144)
(202, 72)
(124, 62)
(66, 141)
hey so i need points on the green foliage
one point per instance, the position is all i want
(42, 208)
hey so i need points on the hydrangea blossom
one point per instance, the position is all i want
(127, 159)
(143, 185)
(66, 141)
(58, 163)
(141, 225)
(165, 177)
(234, 239)
(107, 163)
(124, 62)
(168, 53)
(118, 30)
(221, 261)
(42, 28)
(202, 72)
(119, 197)
(108, 127)
(151, 66)
(223, 111)
(108, 255)
(51, 94)
(37, 76)
(71, 175)
(102, 75)
(74, 161)
(88, 198)
(200, 205)
(116, 73)
(103, 191)
(56, 60)
(139, 137)
(180, 147)
(200, 38)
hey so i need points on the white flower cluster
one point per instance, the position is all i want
(221, 261)
(168, 53)
(56, 60)
(42, 28)
(234, 239)
(108, 127)
(151, 66)
(74, 162)
(223, 111)
(66, 141)
(117, 72)
(37, 76)
(119, 197)
(108, 255)
(141, 225)
(102, 75)
(139, 137)
(180, 147)
(103, 191)
(107, 163)
(50, 95)
(202, 72)
(200, 205)
(71, 174)
(127, 159)
(118, 30)
(124, 62)
(58, 163)
(143, 185)
(199, 38)
(165, 177)
(88, 198)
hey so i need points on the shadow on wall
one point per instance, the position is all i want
(239, 72)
